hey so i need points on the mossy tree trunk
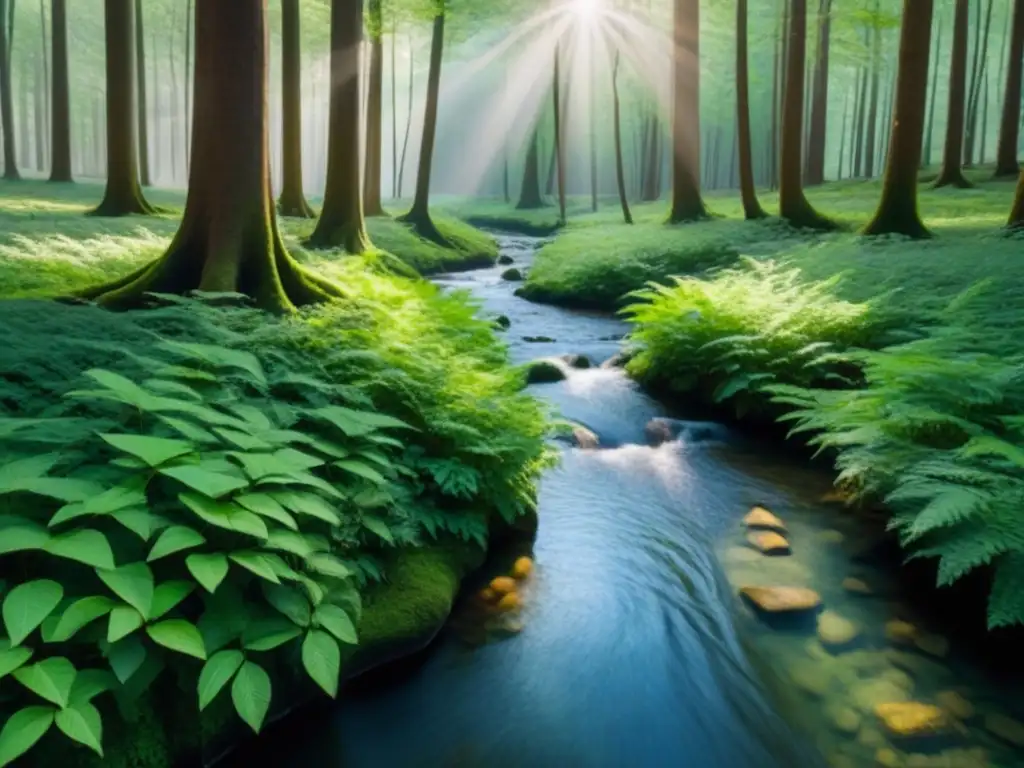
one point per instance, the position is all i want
(6, 97)
(952, 153)
(620, 173)
(687, 204)
(1009, 126)
(292, 201)
(123, 195)
(529, 192)
(228, 240)
(141, 101)
(751, 207)
(819, 100)
(60, 94)
(341, 223)
(374, 113)
(1017, 212)
(793, 205)
(897, 211)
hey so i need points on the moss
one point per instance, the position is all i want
(543, 372)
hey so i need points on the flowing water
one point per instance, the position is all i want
(632, 648)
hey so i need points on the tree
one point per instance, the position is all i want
(292, 201)
(793, 205)
(60, 95)
(6, 101)
(341, 221)
(142, 102)
(952, 153)
(228, 240)
(1016, 220)
(529, 192)
(374, 113)
(751, 207)
(819, 101)
(897, 212)
(1009, 126)
(978, 81)
(926, 154)
(620, 175)
(687, 204)
(876, 66)
(123, 195)
(559, 151)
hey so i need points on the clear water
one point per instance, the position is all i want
(634, 649)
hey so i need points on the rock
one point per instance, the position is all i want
(871, 737)
(504, 259)
(509, 602)
(512, 275)
(900, 632)
(760, 518)
(734, 555)
(522, 567)
(584, 438)
(768, 542)
(909, 719)
(659, 431)
(1005, 728)
(576, 361)
(487, 595)
(544, 372)
(919, 666)
(619, 359)
(836, 632)
(502, 322)
(955, 704)
(888, 758)
(503, 585)
(782, 600)
(866, 695)
(845, 720)
(856, 586)
(809, 678)
(538, 339)
(831, 537)
(933, 645)
(900, 679)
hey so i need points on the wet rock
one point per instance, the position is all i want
(809, 677)
(836, 632)
(538, 339)
(888, 758)
(857, 586)
(871, 737)
(900, 632)
(955, 704)
(1005, 728)
(509, 602)
(503, 585)
(584, 438)
(543, 372)
(845, 719)
(933, 645)
(768, 542)
(735, 555)
(866, 695)
(661, 430)
(619, 359)
(512, 275)
(782, 600)
(502, 322)
(504, 259)
(576, 361)
(831, 537)
(760, 518)
(900, 679)
(522, 567)
(975, 757)
(911, 719)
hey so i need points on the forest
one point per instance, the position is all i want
(549, 382)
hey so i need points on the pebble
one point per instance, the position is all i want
(585, 438)
(503, 585)
(509, 602)
(831, 537)
(836, 632)
(759, 517)
(900, 632)
(768, 542)
(908, 719)
(522, 567)
(779, 600)
(846, 720)
(933, 645)
(888, 758)
(857, 586)
(955, 704)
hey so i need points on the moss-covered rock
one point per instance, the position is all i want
(544, 372)
(512, 274)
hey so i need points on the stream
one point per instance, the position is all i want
(632, 647)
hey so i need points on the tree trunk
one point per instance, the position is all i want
(44, 48)
(687, 204)
(293, 199)
(419, 214)
(926, 154)
(175, 98)
(860, 121)
(99, 153)
(559, 139)
(6, 100)
(341, 223)
(978, 80)
(374, 114)
(394, 115)
(24, 135)
(39, 122)
(60, 109)
(952, 154)
(842, 136)
(819, 104)
(1009, 126)
(897, 212)
(777, 74)
(751, 207)
(189, 35)
(143, 103)
(872, 126)
(408, 123)
(529, 193)
(620, 171)
(123, 194)
(228, 240)
(1016, 220)
(793, 205)
(157, 144)
(983, 133)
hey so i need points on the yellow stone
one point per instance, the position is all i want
(856, 586)
(782, 599)
(955, 704)
(522, 567)
(831, 537)
(509, 602)
(1005, 728)
(900, 632)
(907, 719)
(846, 720)
(759, 517)
(834, 631)
(888, 758)
(503, 585)
(768, 542)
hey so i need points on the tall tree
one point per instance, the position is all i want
(408, 119)
(292, 201)
(60, 95)
(751, 207)
(123, 194)
(374, 112)
(529, 192)
(189, 38)
(44, 46)
(876, 73)
(819, 101)
(228, 240)
(142, 102)
(341, 221)
(6, 97)
(620, 173)
(952, 154)
(1016, 220)
(897, 212)
(394, 112)
(1009, 125)
(687, 204)
(559, 138)
(978, 80)
(926, 153)
(793, 204)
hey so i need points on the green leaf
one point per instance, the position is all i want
(50, 678)
(152, 450)
(61, 488)
(290, 602)
(168, 594)
(303, 478)
(322, 659)
(173, 388)
(84, 546)
(208, 570)
(379, 527)
(269, 633)
(175, 539)
(357, 423)
(220, 357)
(90, 683)
(335, 620)
(260, 465)
(139, 521)
(250, 693)
(257, 563)
(82, 723)
(79, 614)
(297, 459)
(125, 657)
(27, 605)
(178, 635)
(291, 542)
(18, 535)
(329, 565)
(377, 458)
(125, 390)
(225, 515)
(12, 473)
(211, 484)
(133, 583)
(13, 658)
(184, 372)
(310, 504)
(129, 494)
(189, 430)
(22, 730)
(267, 506)
(362, 470)
(123, 621)
(242, 440)
(217, 672)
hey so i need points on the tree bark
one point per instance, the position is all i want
(172, 113)
(751, 207)
(123, 194)
(157, 159)
(292, 201)
(374, 114)
(408, 122)
(872, 124)
(60, 94)
(44, 47)
(819, 104)
(6, 100)
(341, 223)
(39, 122)
(529, 192)
(394, 114)
(620, 172)
(559, 138)
(978, 80)
(897, 212)
(1009, 126)
(687, 204)
(189, 36)
(228, 240)
(842, 136)
(926, 154)
(1016, 220)
(777, 74)
(952, 154)
(143, 103)
(859, 124)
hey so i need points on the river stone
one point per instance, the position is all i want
(856, 586)
(512, 275)
(782, 600)
(836, 632)
(544, 372)
(768, 542)
(831, 537)
(955, 704)
(619, 359)
(933, 645)
(576, 361)
(538, 339)
(1005, 728)
(809, 677)
(871, 737)
(910, 719)
(888, 758)
(866, 695)
(845, 719)
(760, 518)
(899, 678)
(502, 322)
(504, 259)
(900, 632)
(584, 438)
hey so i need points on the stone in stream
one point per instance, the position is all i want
(911, 719)
(932, 644)
(576, 361)
(836, 632)
(955, 704)
(857, 586)
(782, 600)
(584, 438)
(538, 339)
(619, 359)
(760, 518)
(768, 542)
(900, 632)
(501, 322)
(544, 372)
(1005, 728)
(513, 274)
(845, 719)
(504, 259)
(661, 430)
